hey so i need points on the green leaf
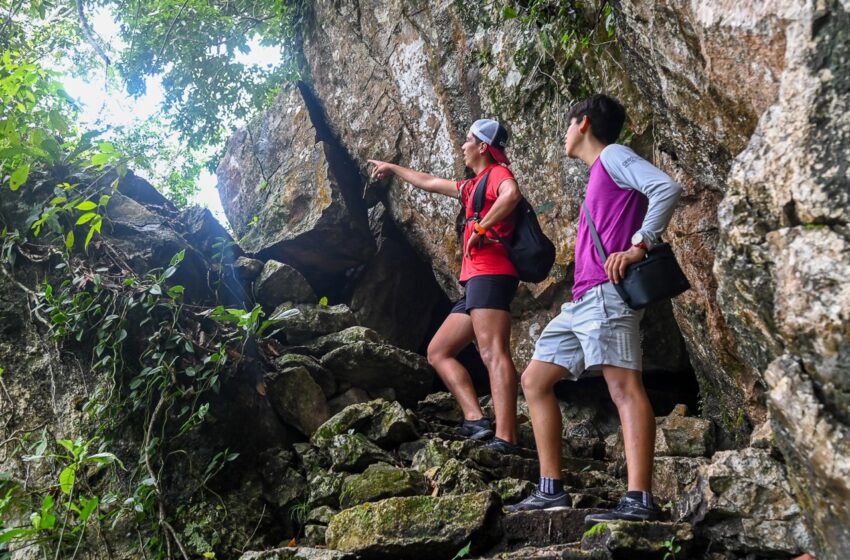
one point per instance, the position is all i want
(88, 508)
(156, 290)
(178, 257)
(69, 240)
(509, 12)
(463, 551)
(86, 205)
(67, 478)
(19, 177)
(85, 218)
(175, 291)
(324, 301)
(90, 234)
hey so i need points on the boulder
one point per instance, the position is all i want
(312, 321)
(324, 344)
(373, 366)
(279, 283)
(354, 395)
(626, 539)
(437, 452)
(683, 436)
(247, 269)
(283, 197)
(282, 484)
(297, 398)
(456, 477)
(385, 423)
(674, 477)
(320, 375)
(378, 482)
(512, 490)
(440, 406)
(325, 488)
(742, 502)
(353, 453)
(416, 527)
(297, 553)
(542, 528)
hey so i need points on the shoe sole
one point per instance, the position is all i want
(590, 520)
(556, 508)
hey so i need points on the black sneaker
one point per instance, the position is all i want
(502, 446)
(539, 500)
(628, 509)
(477, 429)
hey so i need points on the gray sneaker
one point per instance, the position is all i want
(477, 429)
(539, 500)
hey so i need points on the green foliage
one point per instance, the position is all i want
(597, 529)
(672, 549)
(463, 552)
(563, 30)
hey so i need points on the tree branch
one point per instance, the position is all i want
(88, 32)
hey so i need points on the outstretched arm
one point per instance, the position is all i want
(416, 178)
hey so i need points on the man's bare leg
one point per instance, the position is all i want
(538, 386)
(492, 328)
(454, 335)
(638, 420)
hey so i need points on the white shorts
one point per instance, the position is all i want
(595, 330)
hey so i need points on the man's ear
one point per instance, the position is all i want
(584, 125)
(482, 148)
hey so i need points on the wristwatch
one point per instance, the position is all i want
(638, 241)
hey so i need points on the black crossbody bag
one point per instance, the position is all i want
(656, 277)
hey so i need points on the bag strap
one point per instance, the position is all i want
(593, 233)
(479, 196)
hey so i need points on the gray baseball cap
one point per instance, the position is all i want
(494, 135)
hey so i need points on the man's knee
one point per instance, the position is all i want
(493, 356)
(533, 384)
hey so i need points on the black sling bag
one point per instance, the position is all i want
(530, 251)
(654, 278)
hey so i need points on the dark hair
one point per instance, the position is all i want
(606, 116)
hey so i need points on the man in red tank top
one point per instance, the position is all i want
(489, 279)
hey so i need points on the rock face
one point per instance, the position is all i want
(288, 197)
(744, 103)
(743, 500)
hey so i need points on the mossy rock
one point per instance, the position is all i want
(379, 482)
(512, 490)
(436, 452)
(456, 477)
(386, 423)
(629, 539)
(325, 488)
(353, 453)
(417, 527)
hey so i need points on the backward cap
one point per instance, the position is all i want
(494, 135)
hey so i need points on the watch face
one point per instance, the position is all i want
(637, 238)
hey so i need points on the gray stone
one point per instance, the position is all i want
(416, 527)
(682, 436)
(441, 406)
(742, 501)
(674, 477)
(312, 321)
(456, 477)
(279, 283)
(297, 399)
(543, 528)
(320, 375)
(325, 488)
(512, 490)
(374, 366)
(629, 539)
(352, 396)
(385, 423)
(297, 553)
(381, 481)
(247, 268)
(436, 452)
(324, 344)
(353, 453)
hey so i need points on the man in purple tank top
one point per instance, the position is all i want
(630, 202)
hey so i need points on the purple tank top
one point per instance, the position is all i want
(617, 213)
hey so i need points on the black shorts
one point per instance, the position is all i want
(494, 291)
